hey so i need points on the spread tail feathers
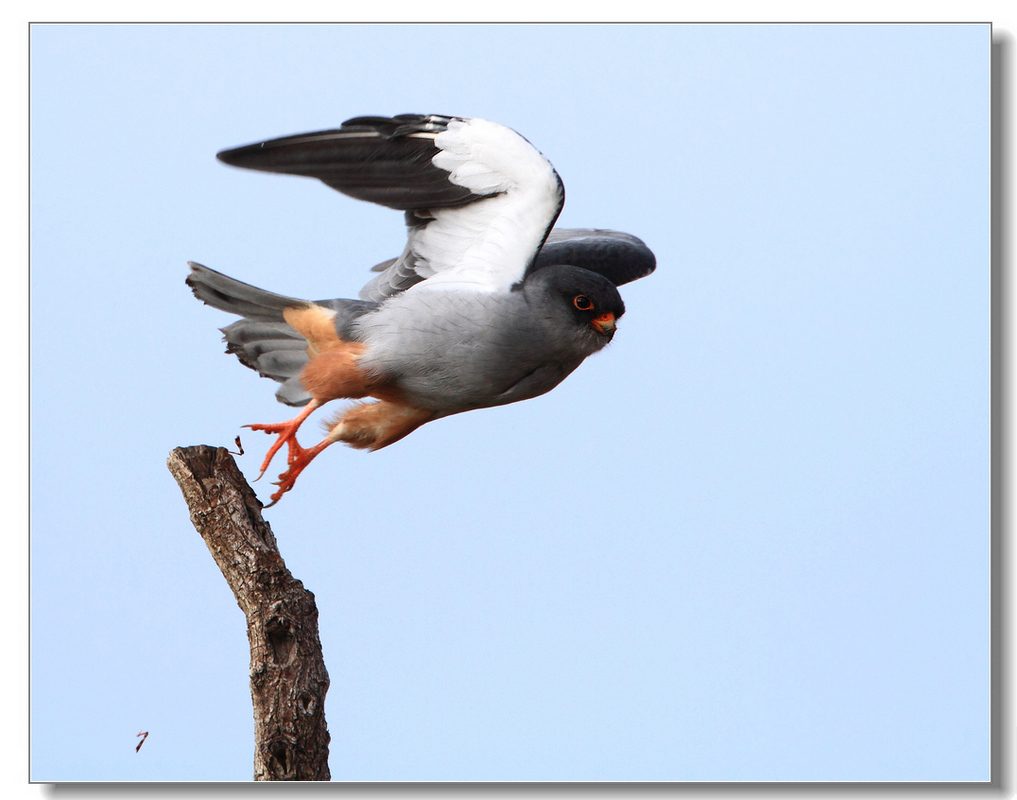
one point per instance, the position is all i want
(227, 294)
(261, 339)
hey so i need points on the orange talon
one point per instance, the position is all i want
(298, 459)
(287, 432)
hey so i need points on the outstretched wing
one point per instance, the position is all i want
(479, 199)
(619, 257)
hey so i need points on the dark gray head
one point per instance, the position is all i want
(587, 298)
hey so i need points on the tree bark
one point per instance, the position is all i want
(288, 676)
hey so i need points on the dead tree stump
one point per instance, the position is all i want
(288, 676)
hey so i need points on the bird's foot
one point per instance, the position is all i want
(298, 458)
(287, 433)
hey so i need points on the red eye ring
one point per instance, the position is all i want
(582, 302)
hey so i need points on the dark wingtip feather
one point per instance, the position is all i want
(384, 160)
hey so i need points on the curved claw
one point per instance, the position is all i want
(287, 433)
(298, 458)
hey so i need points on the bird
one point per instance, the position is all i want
(488, 303)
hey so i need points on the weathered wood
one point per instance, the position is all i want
(288, 676)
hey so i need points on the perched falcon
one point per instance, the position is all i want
(486, 305)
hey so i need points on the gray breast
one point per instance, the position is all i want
(454, 351)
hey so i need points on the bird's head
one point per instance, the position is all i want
(587, 300)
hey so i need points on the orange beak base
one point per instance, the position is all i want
(604, 324)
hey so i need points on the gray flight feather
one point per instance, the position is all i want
(619, 257)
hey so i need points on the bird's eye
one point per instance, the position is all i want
(582, 302)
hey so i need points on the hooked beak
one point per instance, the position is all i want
(604, 324)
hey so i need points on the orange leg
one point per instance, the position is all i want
(372, 426)
(287, 432)
(368, 426)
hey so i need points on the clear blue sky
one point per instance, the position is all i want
(749, 541)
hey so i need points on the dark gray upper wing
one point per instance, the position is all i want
(384, 160)
(619, 257)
